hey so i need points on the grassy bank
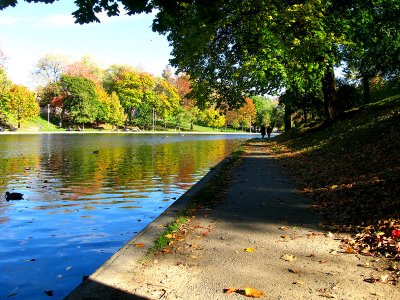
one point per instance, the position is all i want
(40, 124)
(352, 172)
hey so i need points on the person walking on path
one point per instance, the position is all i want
(262, 131)
(269, 131)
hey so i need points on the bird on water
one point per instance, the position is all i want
(13, 196)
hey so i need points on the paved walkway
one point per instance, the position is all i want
(287, 256)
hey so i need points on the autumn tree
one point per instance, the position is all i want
(113, 74)
(128, 88)
(110, 109)
(212, 117)
(21, 104)
(86, 68)
(167, 98)
(5, 86)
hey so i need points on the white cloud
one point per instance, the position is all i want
(9, 21)
(51, 21)
(56, 21)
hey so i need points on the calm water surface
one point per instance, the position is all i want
(85, 196)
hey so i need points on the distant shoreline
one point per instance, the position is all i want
(126, 132)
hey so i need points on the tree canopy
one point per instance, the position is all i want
(232, 49)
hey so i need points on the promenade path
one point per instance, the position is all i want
(262, 235)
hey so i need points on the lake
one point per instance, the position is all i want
(85, 195)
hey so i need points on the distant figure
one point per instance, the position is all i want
(13, 196)
(269, 131)
(262, 130)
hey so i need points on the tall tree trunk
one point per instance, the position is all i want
(366, 89)
(61, 117)
(332, 108)
(305, 114)
(288, 117)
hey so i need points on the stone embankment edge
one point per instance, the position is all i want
(130, 257)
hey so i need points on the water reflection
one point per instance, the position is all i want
(84, 196)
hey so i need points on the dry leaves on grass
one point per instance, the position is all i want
(366, 146)
(382, 238)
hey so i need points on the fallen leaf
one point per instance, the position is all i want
(294, 271)
(322, 261)
(298, 282)
(168, 236)
(384, 278)
(230, 291)
(377, 294)
(251, 292)
(371, 280)
(329, 234)
(350, 250)
(249, 249)
(288, 257)
(139, 245)
(396, 233)
(328, 295)
(166, 250)
(283, 228)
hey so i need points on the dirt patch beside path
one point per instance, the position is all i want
(261, 236)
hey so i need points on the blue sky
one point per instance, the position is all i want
(29, 31)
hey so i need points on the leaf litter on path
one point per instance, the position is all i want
(248, 292)
(288, 257)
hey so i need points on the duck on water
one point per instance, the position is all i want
(13, 196)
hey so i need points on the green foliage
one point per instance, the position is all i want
(128, 88)
(232, 49)
(144, 115)
(81, 99)
(382, 89)
(348, 95)
(265, 109)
